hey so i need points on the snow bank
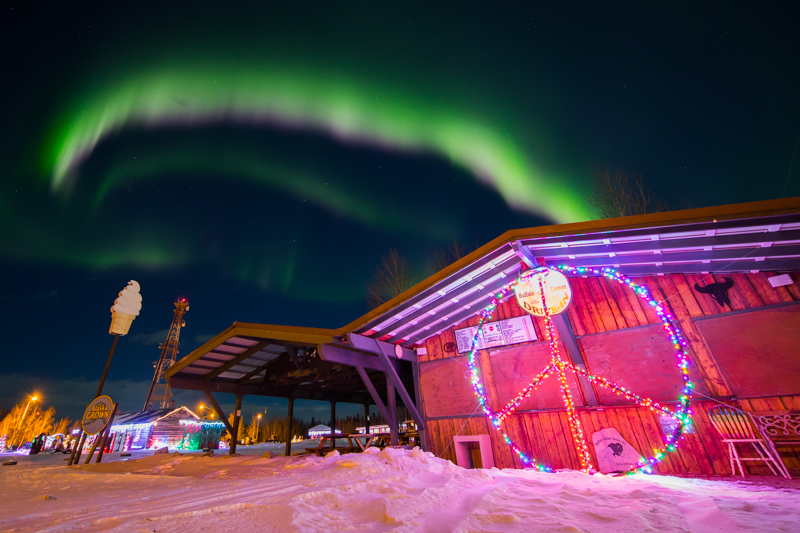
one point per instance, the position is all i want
(392, 490)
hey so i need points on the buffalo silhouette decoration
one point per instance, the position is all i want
(616, 449)
(718, 291)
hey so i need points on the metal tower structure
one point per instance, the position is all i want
(160, 394)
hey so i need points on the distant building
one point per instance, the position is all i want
(320, 430)
(384, 428)
(178, 428)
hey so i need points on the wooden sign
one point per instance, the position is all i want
(501, 333)
(97, 415)
(614, 454)
(557, 292)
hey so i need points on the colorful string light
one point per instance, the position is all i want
(560, 367)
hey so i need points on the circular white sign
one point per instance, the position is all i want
(398, 351)
(557, 292)
(97, 415)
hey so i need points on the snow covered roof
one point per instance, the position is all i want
(320, 428)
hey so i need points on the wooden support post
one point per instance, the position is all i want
(72, 456)
(393, 377)
(333, 424)
(294, 358)
(289, 434)
(105, 433)
(237, 419)
(392, 408)
(79, 449)
(97, 440)
(366, 417)
(219, 411)
(421, 429)
(373, 392)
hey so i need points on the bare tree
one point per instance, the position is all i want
(615, 195)
(445, 257)
(253, 429)
(61, 426)
(392, 277)
(20, 425)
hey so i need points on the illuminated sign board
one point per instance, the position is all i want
(557, 292)
(500, 333)
(97, 415)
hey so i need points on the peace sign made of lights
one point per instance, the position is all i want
(560, 367)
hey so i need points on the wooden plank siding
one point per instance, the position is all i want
(603, 307)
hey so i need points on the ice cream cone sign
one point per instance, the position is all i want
(125, 309)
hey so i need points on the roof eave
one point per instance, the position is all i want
(666, 218)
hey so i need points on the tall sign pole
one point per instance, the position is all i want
(108, 364)
(125, 309)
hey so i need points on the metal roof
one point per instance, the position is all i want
(283, 361)
(761, 236)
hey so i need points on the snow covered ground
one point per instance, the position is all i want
(393, 490)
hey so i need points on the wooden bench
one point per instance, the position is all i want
(779, 428)
(321, 449)
(373, 440)
(406, 438)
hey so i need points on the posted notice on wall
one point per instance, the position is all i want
(501, 333)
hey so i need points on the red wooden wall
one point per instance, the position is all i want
(619, 338)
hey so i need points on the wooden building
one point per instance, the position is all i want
(743, 337)
(156, 428)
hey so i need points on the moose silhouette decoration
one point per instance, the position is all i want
(718, 291)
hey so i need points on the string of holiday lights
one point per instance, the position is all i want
(508, 409)
(574, 423)
(682, 414)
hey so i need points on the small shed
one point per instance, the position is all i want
(157, 428)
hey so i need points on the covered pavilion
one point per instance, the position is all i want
(301, 363)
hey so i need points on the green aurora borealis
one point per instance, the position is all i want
(345, 109)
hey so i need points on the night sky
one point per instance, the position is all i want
(259, 159)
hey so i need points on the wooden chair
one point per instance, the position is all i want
(781, 428)
(734, 426)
